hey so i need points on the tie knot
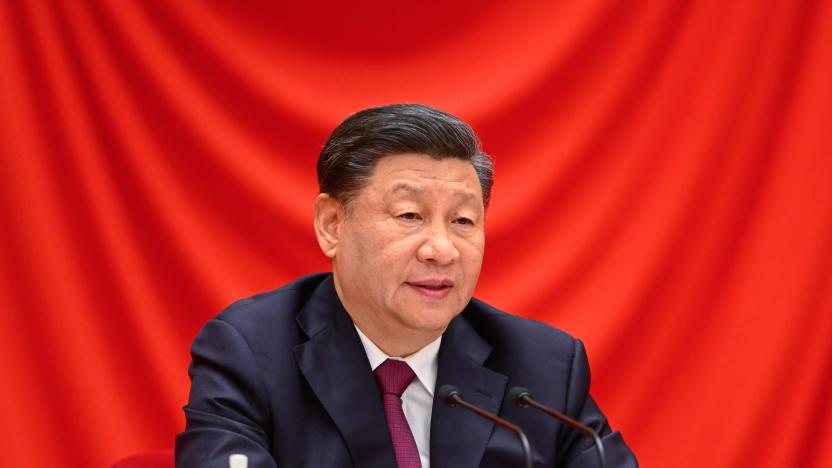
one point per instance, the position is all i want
(394, 376)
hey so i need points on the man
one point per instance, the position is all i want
(341, 369)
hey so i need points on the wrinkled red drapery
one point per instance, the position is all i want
(663, 191)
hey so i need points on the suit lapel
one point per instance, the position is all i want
(458, 437)
(336, 367)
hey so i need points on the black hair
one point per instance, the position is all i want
(352, 151)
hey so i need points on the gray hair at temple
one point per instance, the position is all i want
(352, 151)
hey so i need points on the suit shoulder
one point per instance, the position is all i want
(278, 304)
(511, 332)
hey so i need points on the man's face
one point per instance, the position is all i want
(410, 247)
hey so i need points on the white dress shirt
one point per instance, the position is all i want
(417, 399)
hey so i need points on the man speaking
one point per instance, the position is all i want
(344, 369)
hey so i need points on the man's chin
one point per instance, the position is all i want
(429, 321)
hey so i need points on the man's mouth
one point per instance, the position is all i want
(433, 288)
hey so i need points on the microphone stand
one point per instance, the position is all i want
(523, 398)
(451, 396)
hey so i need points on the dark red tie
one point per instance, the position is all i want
(393, 377)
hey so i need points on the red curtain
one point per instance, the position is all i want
(663, 191)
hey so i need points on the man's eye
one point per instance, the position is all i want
(409, 216)
(464, 221)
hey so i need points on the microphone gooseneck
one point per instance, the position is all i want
(522, 397)
(451, 396)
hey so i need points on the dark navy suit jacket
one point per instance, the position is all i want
(283, 378)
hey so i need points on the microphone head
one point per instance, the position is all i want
(447, 393)
(518, 395)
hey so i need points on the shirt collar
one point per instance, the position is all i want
(425, 362)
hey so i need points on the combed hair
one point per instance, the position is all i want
(352, 151)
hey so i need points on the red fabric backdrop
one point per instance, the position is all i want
(663, 191)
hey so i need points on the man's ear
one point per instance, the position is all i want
(329, 217)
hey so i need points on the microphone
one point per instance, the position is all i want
(523, 398)
(451, 396)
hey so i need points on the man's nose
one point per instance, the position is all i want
(438, 247)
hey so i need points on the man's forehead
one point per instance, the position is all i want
(421, 166)
(409, 188)
(419, 175)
